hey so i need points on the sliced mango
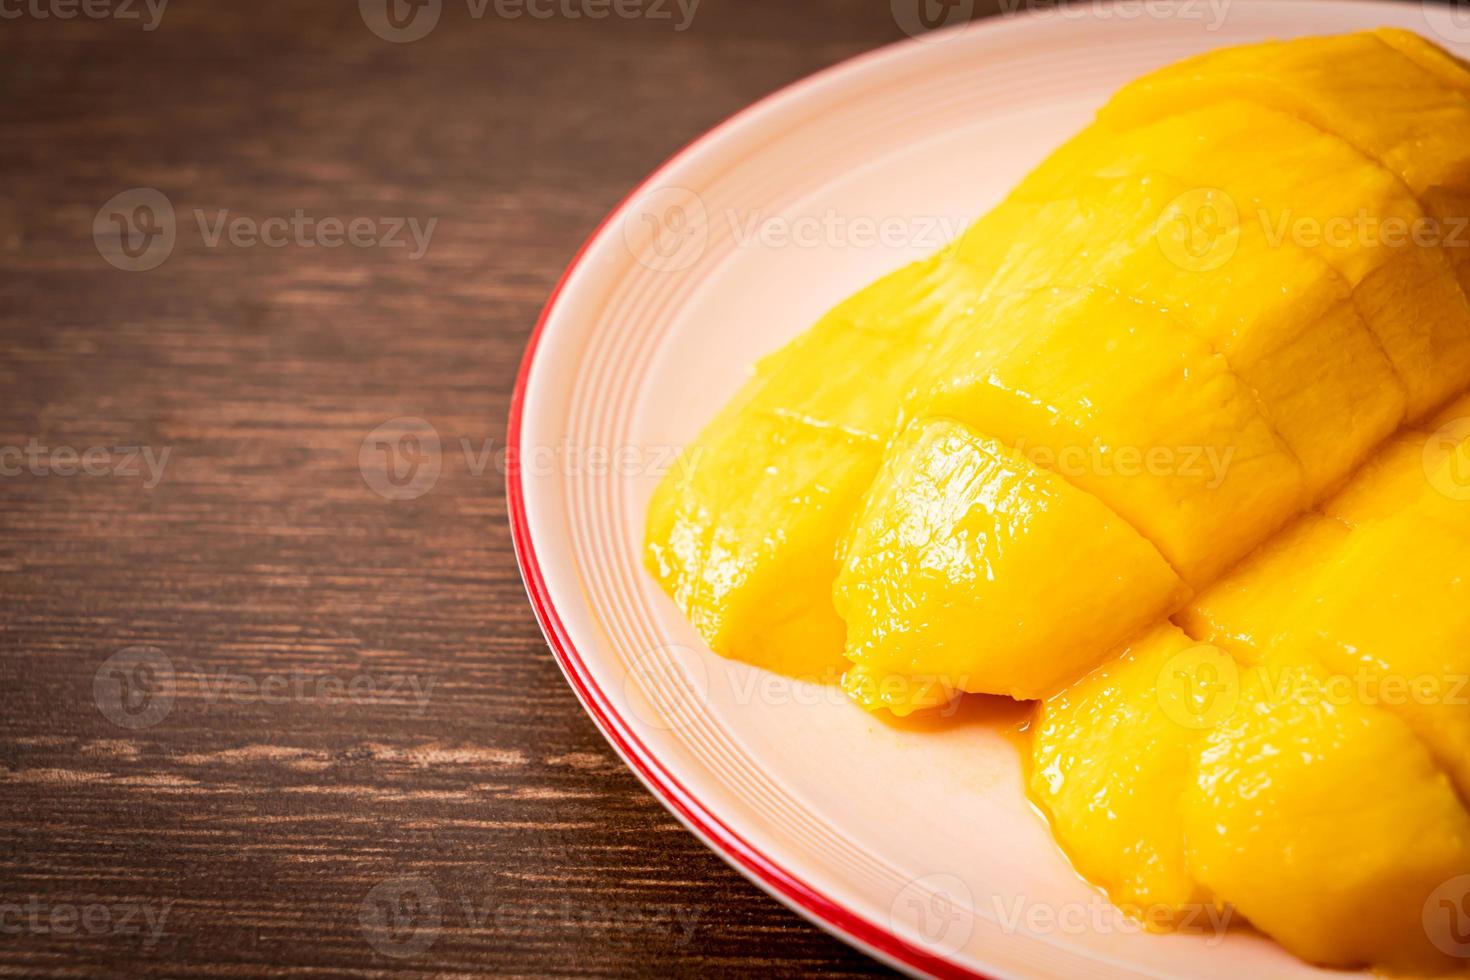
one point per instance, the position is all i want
(1282, 318)
(1111, 755)
(1388, 107)
(1307, 188)
(952, 575)
(1247, 607)
(743, 532)
(1130, 406)
(1324, 821)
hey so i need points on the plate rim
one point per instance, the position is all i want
(801, 896)
(880, 942)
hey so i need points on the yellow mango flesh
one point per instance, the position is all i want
(1129, 405)
(1387, 106)
(1324, 821)
(1282, 319)
(1260, 594)
(1111, 755)
(743, 532)
(1307, 188)
(952, 553)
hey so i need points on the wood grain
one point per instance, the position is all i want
(270, 817)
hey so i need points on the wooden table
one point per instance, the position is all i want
(258, 716)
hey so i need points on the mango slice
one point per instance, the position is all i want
(1249, 606)
(1388, 107)
(950, 558)
(1284, 821)
(1130, 406)
(743, 532)
(1282, 319)
(1110, 757)
(1302, 186)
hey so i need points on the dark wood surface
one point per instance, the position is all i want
(253, 812)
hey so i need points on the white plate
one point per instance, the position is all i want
(917, 846)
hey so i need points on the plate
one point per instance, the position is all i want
(914, 844)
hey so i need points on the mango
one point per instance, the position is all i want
(743, 532)
(1284, 822)
(1110, 756)
(1127, 404)
(951, 577)
(1388, 108)
(1305, 187)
